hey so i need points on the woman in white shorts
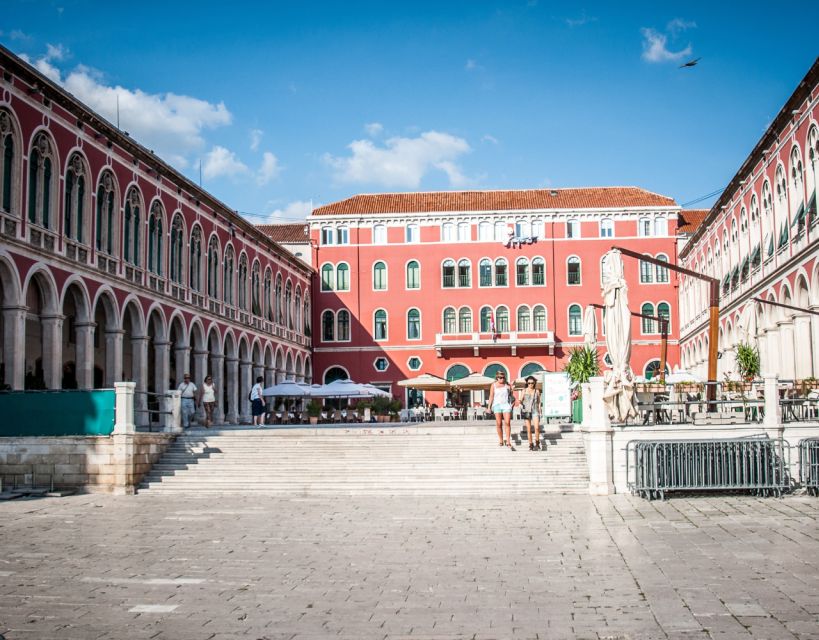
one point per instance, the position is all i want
(500, 403)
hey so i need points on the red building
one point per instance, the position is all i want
(456, 282)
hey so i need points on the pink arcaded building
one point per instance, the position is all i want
(451, 283)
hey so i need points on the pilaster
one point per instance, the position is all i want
(14, 346)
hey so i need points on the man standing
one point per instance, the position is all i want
(188, 392)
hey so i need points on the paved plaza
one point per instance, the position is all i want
(551, 566)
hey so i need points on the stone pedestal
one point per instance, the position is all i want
(599, 443)
(814, 340)
(773, 413)
(172, 405)
(786, 350)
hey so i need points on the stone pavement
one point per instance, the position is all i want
(181, 568)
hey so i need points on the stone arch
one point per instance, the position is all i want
(43, 331)
(308, 370)
(77, 336)
(12, 358)
(299, 368)
(180, 350)
(279, 365)
(269, 369)
(134, 355)
(290, 373)
(11, 142)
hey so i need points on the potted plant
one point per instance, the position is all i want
(583, 363)
(395, 408)
(747, 361)
(809, 384)
(314, 411)
(381, 407)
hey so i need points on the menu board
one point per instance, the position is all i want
(557, 395)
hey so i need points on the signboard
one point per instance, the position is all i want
(557, 395)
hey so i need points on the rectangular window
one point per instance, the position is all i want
(485, 232)
(573, 229)
(463, 232)
(501, 279)
(646, 272)
(522, 275)
(485, 274)
(327, 235)
(575, 325)
(538, 273)
(449, 322)
(448, 233)
(413, 233)
(342, 235)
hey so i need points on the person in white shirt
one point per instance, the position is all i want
(208, 399)
(257, 403)
(188, 391)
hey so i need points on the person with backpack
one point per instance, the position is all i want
(257, 402)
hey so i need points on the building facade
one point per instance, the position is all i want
(113, 266)
(457, 282)
(760, 241)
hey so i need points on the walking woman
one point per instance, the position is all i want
(530, 412)
(208, 399)
(500, 403)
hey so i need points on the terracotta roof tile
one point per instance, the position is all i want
(526, 199)
(287, 233)
(689, 220)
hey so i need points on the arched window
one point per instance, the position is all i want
(306, 315)
(155, 239)
(8, 163)
(279, 314)
(448, 273)
(328, 276)
(487, 319)
(646, 272)
(335, 373)
(493, 369)
(255, 290)
(40, 182)
(648, 326)
(106, 214)
(227, 277)
(575, 320)
(297, 321)
(538, 272)
(75, 205)
(379, 276)
(413, 324)
(328, 328)
(530, 369)
(195, 264)
(501, 273)
(644, 227)
(268, 295)
(343, 322)
(743, 221)
(660, 226)
(449, 320)
(288, 304)
(502, 319)
(523, 228)
(463, 232)
(380, 325)
(652, 369)
(456, 372)
(177, 234)
(465, 320)
(242, 285)
(607, 228)
(485, 273)
(604, 274)
(448, 232)
(664, 311)
(767, 219)
(485, 231)
(213, 267)
(464, 273)
(379, 234)
(343, 277)
(572, 228)
(522, 272)
(413, 233)
(810, 173)
(662, 272)
(524, 319)
(413, 275)
(573, 271)
(133, 228)
(539, 314)
(501, 231)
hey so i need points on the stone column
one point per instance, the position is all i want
(245, 383)
(200, 371)
(772, 347)
(217, 371)
(113, 357)
(183, 364)
(53, 350)
(139, 348)
(787, 370)
(599, 443)
(269, 376)
(803, 348)
(814, 339)
(762, 345)
(14, 346)
(232, 386)
(162, 366)
(85, 354)
(773, 412)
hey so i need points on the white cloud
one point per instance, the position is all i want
(170, 124)
(255, 138)
(678, 25)
(472, 65)
(220, 162)
(374, 129)
(295, 211)
(489, 138)
(269, 169)
(17, 34)
(655, 49)
(402, 162)
(580, 21)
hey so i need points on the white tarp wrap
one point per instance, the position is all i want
(590, 328)
(619, 380)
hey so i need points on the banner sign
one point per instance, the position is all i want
(557, 395)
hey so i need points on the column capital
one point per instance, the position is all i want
(115, 332)
(139, 338)
(216, 356)
(52, 317)
(246, 363)
(162, 343)
(15, 307)
(85, 325)
(230, 359)
(200, 352)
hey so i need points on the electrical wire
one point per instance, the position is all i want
(701, 198)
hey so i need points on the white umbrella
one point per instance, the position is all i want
(619, 380)
(288, 389)
(474, 381)
(343, 389)
(747, 325)
(425, 382)
(375, 391)
(681, 376)
(590, 327)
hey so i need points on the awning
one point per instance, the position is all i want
(745, 265)
(811, 208)
(755, 255)
(735, 275)
(783, 235)
(771, 247)
(799, 218)
(726, 281)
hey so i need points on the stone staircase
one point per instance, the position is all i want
(356, 460)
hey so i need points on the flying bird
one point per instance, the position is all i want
(690, 63)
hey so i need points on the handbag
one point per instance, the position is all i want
(526, 415)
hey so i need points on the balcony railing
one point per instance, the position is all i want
(510, 339)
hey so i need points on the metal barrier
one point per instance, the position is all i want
(153, 411)
(755, 464)
(809, 465)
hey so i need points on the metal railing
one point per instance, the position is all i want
(153, 410)
(756, 464)
(809, 465)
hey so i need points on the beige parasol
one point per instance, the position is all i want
(426, 382)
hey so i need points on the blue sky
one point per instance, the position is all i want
(287, 104)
